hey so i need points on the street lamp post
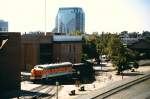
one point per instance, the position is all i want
(57, 84)
(78, 82)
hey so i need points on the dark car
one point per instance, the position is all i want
(133, 65)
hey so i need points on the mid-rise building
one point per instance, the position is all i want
(37, 48)
(69, 20)
(3, 26)
(128, 39)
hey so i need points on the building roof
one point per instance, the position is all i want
(3, 21)
(141, 44)
(66, 8)
(66, 38)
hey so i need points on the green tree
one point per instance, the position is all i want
(109, 44)
(116, 51)
(89, 46)
(76, 33)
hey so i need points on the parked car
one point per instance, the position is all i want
(133, 65)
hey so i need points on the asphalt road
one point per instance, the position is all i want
(138, 91)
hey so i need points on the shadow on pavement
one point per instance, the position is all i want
(144, 65)
(65, 81)
(100, 65)
(20, 93)
(108, 70)
(132, 74)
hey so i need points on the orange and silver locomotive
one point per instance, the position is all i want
(47, 71)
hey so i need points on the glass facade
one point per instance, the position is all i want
(70, 20)
(3, 26)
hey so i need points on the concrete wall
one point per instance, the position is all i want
(10, 62)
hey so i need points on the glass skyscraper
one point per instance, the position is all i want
(69, 20)
(3, 26)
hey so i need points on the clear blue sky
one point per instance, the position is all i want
(100, 15)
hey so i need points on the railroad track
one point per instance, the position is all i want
(40, 92)
(39, 88)
(49, 92)
(39, 95)
(121, 87)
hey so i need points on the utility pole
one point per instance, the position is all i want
(45, 17)
(102, 50)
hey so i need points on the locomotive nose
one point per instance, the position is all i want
(33, 72)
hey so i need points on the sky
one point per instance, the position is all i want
(100, 15)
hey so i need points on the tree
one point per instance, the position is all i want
(110, 45)
(89, 46)
(146, 34)
(133, 34)
(76, 33)
(118, 53)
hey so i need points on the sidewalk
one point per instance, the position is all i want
(102, 80)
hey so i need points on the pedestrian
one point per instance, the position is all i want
(110, 77)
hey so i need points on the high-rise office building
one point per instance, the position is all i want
(69, 20)
(3, 26)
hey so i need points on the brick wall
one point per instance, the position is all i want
(10, 62)
(63, 52)
(30, 49)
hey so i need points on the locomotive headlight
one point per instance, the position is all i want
(32, 72)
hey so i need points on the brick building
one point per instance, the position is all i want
(35, 49)
(67, 48)
(50, 48)
(10, 57)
